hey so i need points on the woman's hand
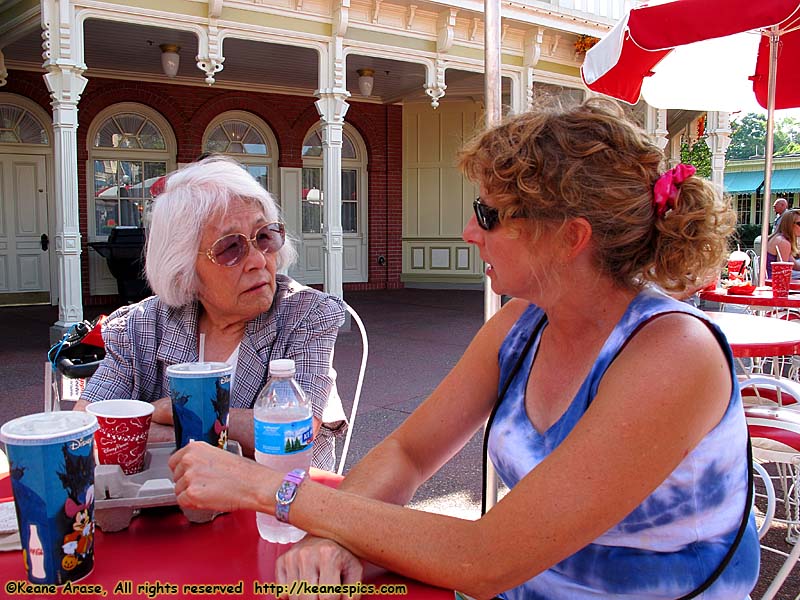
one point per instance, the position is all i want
(319, 561)
(212, 479)
(162, 411)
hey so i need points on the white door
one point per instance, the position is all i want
(24, 265)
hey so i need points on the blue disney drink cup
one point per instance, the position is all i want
(200, 394)
(51, 462)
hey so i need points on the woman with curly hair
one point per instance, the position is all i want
(616, 416)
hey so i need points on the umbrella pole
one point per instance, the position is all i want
(773, 68)
(493, 96)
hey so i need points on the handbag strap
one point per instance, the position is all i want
(750, 482)
(514, 370)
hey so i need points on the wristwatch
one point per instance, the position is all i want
(287, 492)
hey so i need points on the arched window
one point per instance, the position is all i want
(130, 147)
(20, 126)
(353, 182)
(249, 140)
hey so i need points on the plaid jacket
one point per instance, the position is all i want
(143, 339)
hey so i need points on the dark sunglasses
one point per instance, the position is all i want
(231, 249)
(487, 216)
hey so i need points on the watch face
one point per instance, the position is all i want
(286, 492)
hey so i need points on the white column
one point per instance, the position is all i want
(655, 122)
(65, 81)
(332, 108)
(718, 128)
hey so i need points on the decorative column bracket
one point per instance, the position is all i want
(3, 71)
(532, 53)
(209, 58)
(341, 18)
(411, 13)
(554, 44)
(446, 30)
(473, 29)
(435, 86)
(214, 9)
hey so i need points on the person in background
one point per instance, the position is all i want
(214, 249)
(780, 205)
(783, 243)
(619, 426)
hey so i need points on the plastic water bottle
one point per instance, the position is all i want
(283, 438)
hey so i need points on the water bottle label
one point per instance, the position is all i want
(283, 438)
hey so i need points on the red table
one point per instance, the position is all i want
(162, 546)
(751, 336)
(761, 297)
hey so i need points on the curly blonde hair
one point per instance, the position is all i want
(553, 164)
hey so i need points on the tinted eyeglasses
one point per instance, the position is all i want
(487, 216)
(231, 249)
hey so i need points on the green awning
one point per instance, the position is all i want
(785, 180)
(744, 182)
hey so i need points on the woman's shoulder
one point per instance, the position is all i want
(293, 297)
(148, 314)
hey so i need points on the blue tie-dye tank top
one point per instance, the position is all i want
(678, 536)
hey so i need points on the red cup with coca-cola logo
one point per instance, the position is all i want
(122, 436)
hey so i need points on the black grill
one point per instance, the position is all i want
(124, 254)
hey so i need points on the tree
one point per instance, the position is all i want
(790, 128)
(699, 155)
(749, 137)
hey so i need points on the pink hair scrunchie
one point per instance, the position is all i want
(665, 191)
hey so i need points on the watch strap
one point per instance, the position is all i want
(286, 493)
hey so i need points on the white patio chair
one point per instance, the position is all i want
(767, 390)
(768, 495)
(359, 383)
(775, 435)
(754, 265)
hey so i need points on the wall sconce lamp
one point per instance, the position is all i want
(170, 59)
(366, 80)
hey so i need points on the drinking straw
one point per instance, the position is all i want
(202, 346)
(778, 250)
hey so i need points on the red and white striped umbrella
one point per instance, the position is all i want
(723, 55)
(700, 55)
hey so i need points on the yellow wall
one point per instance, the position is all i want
(437, 200)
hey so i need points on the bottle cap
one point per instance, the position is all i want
(281, 367)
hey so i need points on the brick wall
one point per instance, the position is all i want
(190, 109)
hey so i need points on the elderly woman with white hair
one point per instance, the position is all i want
(214, 249)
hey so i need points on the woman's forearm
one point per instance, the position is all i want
(386, 473)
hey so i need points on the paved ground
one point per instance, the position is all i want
(415, 337)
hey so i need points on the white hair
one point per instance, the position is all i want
(192, 197)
